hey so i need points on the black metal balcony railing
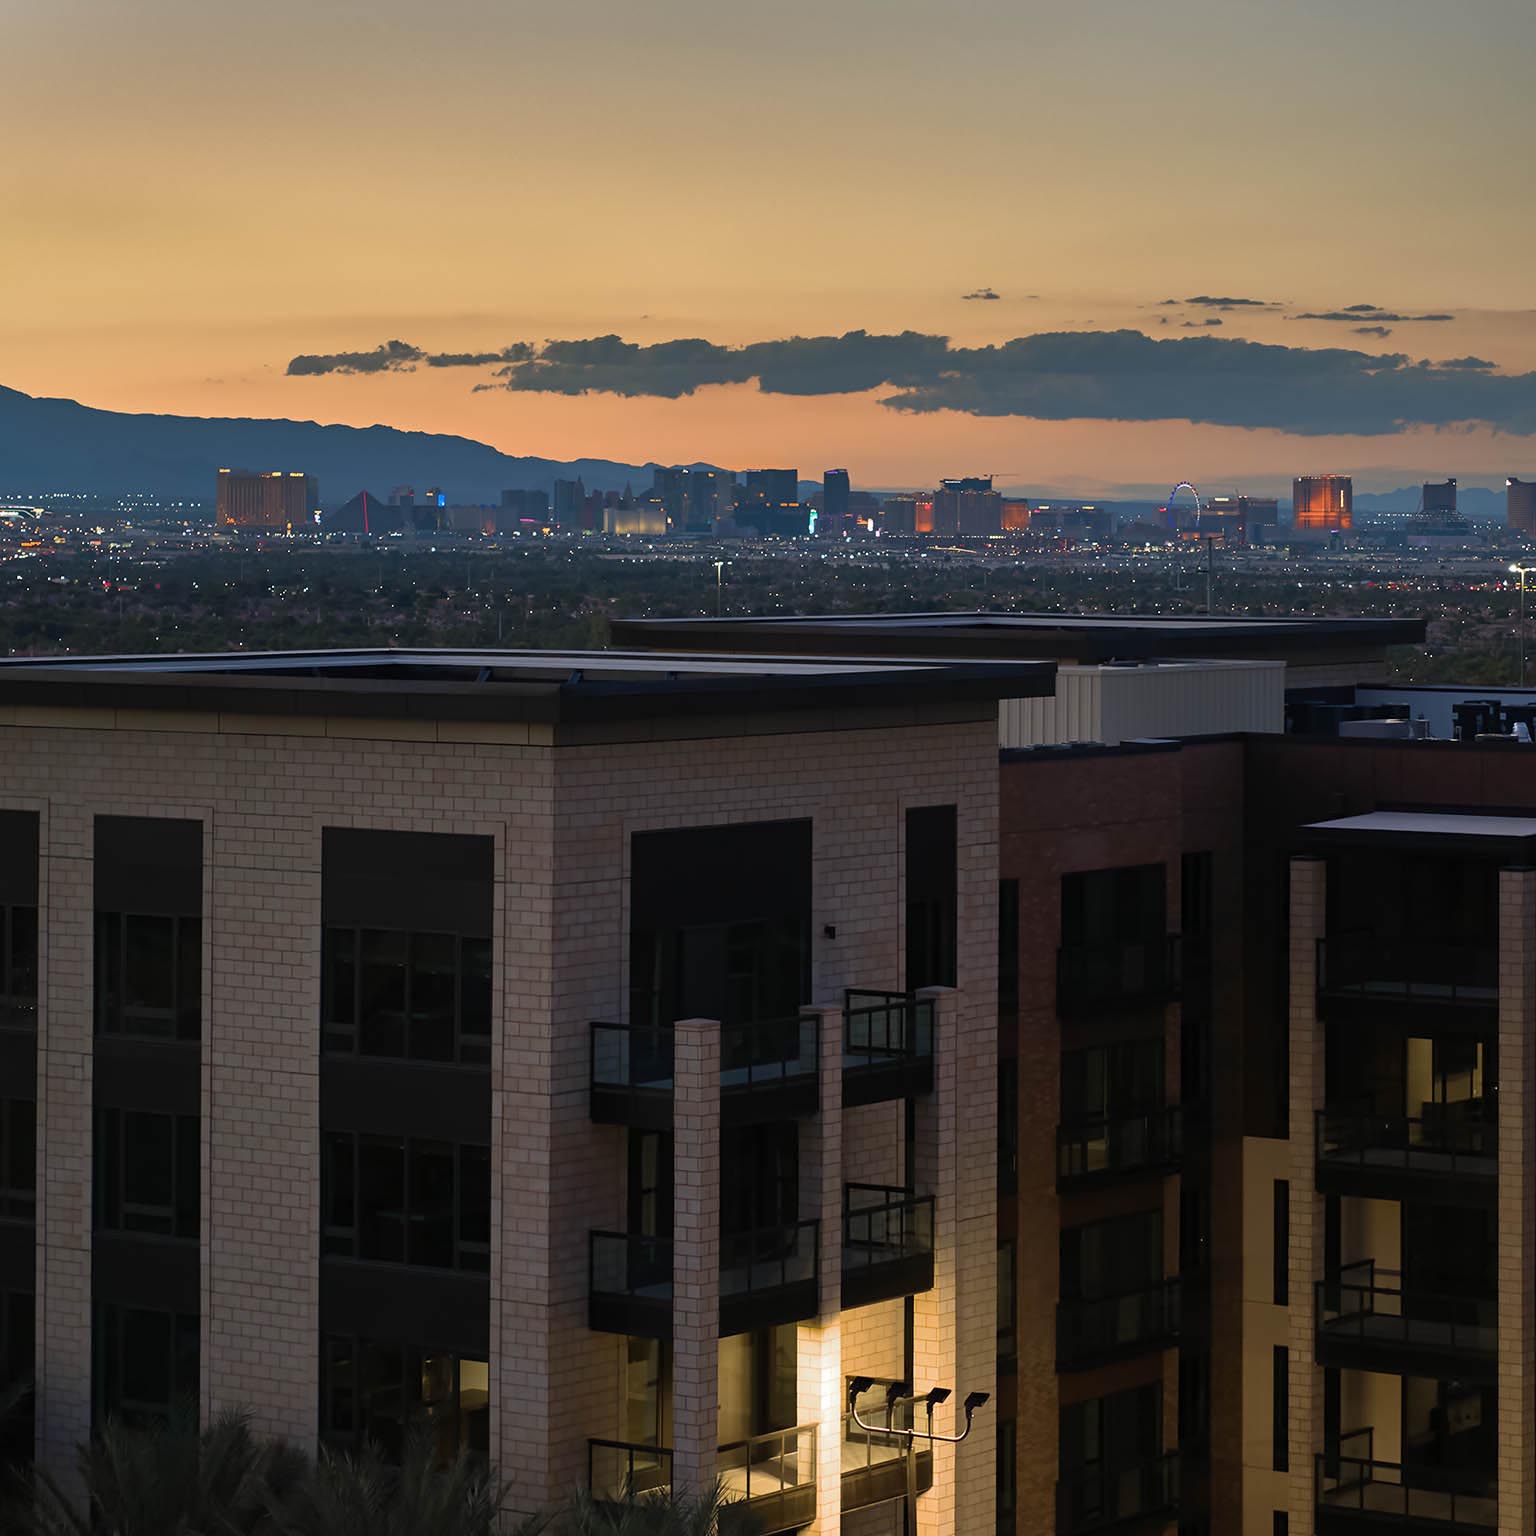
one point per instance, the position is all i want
(1098, 1498)
(773, 1474)
(1447, 1146)
(1100, 1328)
(887, 1243)
(887, 1046)
(768, 1068)
(620, 1472)
(767, 1276)
(1367, 967)
(629, 1284)
(874, 1462)
(1094, 979)
(1098, 1146)
(1353, 1488)
(1363, 1310)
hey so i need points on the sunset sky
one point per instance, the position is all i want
(197, 193)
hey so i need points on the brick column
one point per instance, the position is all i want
(1308, 924)
(696, 1254)
(66, 897)
(1516, 1228)
(261, 1124)
(955, 1342)
(819, 1344)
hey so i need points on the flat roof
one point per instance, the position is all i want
(544, 686)
(1496, 836)
(1081, 637)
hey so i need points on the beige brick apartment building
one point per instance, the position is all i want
(596, 1054)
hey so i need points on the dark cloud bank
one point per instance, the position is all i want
(1055, 376)
(1355, 313)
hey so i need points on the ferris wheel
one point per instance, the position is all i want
(1183, 485)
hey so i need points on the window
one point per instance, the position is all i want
(932, 895)
(411, 996)
(1007, 1309)
(1194, 1401)
(149, 975)
(1008, 1125)
(1281, 1422)
(18, 1160)
(1282, 1243)
(1194, 1229)
(1102, 908)
(395, 1200)
(759, 1177)
(146, 1365)
(1007, 1476)
(1108, 1434)
(146, 1173)
(1112, 1081)
(1112, 1258)
(1197, 904)
(371, 1391)
(18, 967)
(17, 1349)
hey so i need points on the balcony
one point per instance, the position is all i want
(767, 1277)
(1098, 1149)
(1365, 969)
(887, 1046)
(874, 1462)
(1388, 1157)
(1357, 1493)
(887, 1244)
(770, 1479)
(774, 1475)
(769, 1070)
(629, 1284)
(1098, 980)
(1118, 1499)
(1366, 1321)
(1102, 1329)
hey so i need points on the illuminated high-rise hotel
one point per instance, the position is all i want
(1520, 504)
(276, 500)
(1323, 502)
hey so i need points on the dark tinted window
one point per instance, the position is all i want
(410, 996)
(146, 1365)
(18, 1160)
(1108, 1258)
(17, 1351)
(18, 967)
(370, 1392)
(148, 975)
(1113, 906)
(146, 1173)
(932, 895)
(406, 1201)
(1109, 1081)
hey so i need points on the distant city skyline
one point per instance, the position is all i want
(167, 266)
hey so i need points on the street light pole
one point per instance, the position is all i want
(1522, 571)
(719, 588)
(858, 1385)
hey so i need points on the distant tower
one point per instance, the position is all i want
(1323, 503)
(834, 502)
(1520, 505)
